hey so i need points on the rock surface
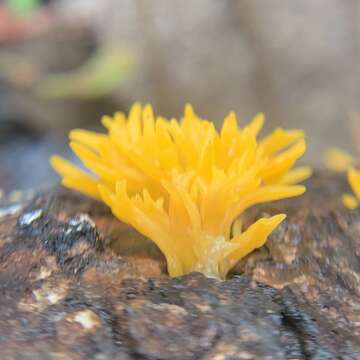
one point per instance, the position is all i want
(75, 283)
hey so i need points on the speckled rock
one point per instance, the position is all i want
(75, 283)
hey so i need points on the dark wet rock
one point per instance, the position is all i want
(75, 283)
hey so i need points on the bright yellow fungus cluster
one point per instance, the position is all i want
(183, 184)
(349, 200)
(339, 160)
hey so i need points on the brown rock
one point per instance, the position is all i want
(75, 283)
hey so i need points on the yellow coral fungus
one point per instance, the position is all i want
(183, 184)
(338, 160)
(350, 201)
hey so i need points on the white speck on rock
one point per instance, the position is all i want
(88, 319)
(53, 297)
(81, 218)
(28, 218)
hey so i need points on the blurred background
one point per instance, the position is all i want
(64, 63)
